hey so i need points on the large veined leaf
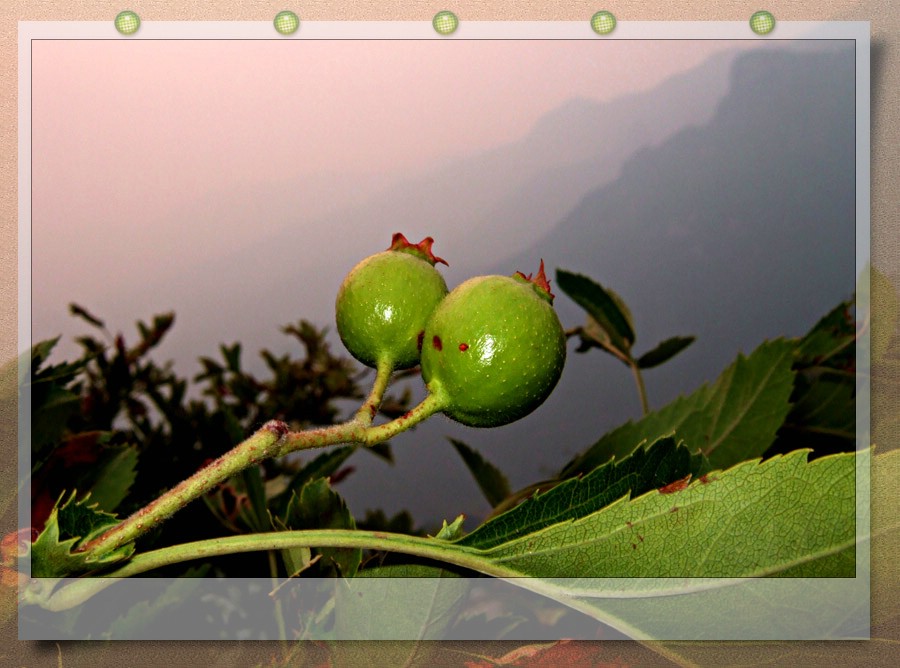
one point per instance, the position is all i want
(689, 561)
(732, 420)
(783, 516)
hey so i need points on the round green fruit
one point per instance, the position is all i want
(494, 349)
(384, 302)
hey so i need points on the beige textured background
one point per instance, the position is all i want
(884, 16)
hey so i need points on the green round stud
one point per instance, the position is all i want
(603, 22)
(286, 22)
(762, 23)
(445, 22)
(127, 22)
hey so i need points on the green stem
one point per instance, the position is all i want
(369, 409)
(273, 440)
(81, 589)
(642, 391)
(262, 445)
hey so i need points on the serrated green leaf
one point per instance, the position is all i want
(317, 506)
(72, 523)
(734, 419)
(665, 351)
(655, 466)
(749, 404)
(451, 531)
(604, 306)
(117, 475)
(783, 516)
(490, 479)
(829, 342)
(322, 466)
(823, 414)
(83, 519)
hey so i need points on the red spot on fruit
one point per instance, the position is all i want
(420, 339)
(436, 342)
(676, 486)
(463, 347)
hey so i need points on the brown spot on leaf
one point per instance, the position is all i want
(706, 479)
(676, 486)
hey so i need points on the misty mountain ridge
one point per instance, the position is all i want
(737, 231)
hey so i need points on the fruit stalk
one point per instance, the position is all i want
(642, 391)
(272, 440)
(369, 409)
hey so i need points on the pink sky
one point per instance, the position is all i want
(253, 108)
(129, 135)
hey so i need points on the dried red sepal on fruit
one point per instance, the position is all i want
(421, 249)
(540, 282)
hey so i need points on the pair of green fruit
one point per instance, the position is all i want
(491, 350)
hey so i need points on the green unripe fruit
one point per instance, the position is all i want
(494, 349)
(384, 302)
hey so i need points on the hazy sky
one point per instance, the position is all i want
(129, 135)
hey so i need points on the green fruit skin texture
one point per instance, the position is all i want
(382, 307)
(493, 351)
